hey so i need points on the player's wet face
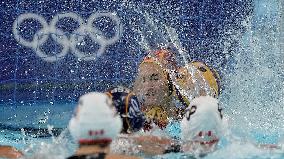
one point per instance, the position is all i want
(153, 85)
(153, 77)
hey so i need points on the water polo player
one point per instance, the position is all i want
(165, 90)
(94, 126)
(131, 140)
(202, 126)
(154, 91)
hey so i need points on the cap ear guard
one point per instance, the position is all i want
(170, 84)
(218, 81)
(220, 111)
(157, 115)
(128, 107)
(135, 120)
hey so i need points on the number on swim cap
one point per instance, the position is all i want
(120, 89)
(191, 111)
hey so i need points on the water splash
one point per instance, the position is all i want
(154, 35)
(255, 93)
(59, 148)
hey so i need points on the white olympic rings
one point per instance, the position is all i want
(77, 36)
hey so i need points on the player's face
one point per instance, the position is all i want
(151, 85)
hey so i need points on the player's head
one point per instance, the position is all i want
(95, 120)
(202, 121)
(197, 79)
(128, 106)
(151, 85)
(211, 77)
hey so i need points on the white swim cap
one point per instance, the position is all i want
(96, 120)
(202, 122)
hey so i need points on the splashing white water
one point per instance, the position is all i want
(255, 94)
(59, 148)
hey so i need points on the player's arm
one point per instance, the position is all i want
(9, 152)
(153, 145)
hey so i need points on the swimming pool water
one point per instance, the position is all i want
(233, 145)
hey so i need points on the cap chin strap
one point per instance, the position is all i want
(211, 142)
(95, 142)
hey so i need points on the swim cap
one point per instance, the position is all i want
(128, 106)
(166, 58)
(95, 120)
(210, 75)
(202, 122)
(189, 84)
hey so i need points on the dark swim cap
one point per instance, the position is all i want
(128, 107)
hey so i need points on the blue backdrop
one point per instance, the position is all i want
(201, 26)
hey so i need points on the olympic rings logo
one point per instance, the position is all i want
(77, 36)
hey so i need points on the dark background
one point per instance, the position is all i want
(202, 26)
